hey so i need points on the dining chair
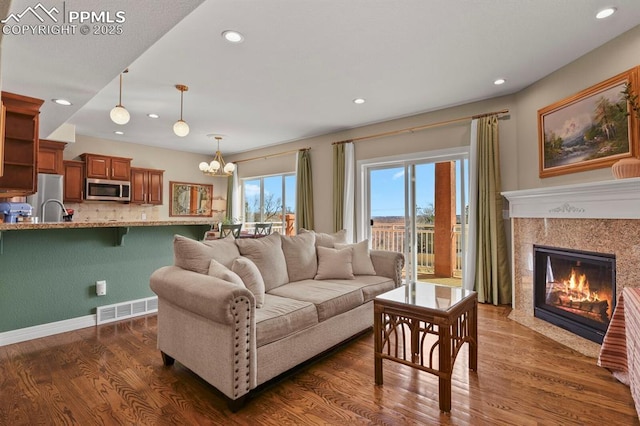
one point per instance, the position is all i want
(230, 230)
(263, 229)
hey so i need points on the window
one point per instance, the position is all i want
(268, 199)
(399, 199)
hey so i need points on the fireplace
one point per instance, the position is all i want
(574, 289)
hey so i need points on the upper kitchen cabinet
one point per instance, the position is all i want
(73, 181)
(106, 167)
(20, 150)
(146, 186)
(50, 155)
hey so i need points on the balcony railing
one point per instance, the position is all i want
(392, 237)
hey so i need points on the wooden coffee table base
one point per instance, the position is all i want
(402, 333)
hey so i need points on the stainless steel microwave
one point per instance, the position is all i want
(108, 190)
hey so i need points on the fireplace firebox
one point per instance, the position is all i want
(575, 290)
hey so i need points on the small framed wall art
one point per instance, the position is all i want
(190, 199)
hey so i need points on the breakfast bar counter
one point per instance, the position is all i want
(101, 224)
(121, 228)
(49, 270)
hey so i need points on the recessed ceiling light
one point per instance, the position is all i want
(119, 132)
(153, 116)
(359, 101)
(605, 13)
(233, 36)
(499, 81)
(62, 102)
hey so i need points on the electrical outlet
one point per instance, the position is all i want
(101, 288)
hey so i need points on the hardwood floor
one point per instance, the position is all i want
(113, 375)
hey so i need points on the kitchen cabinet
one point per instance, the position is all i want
(21, 123)
(2, 115)
(146, 186)
(50, 154)
(73, 181)
(106, 167)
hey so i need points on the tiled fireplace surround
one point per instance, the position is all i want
(600, 217)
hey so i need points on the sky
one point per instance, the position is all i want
(387, 189)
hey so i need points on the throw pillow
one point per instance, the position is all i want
(218, 270)
(335, 264)
(328, 240)
(268, 256)
(300, 255)
(362, 264)
(195, 255)
(250, 275)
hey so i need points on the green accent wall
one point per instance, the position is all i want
(49, 275)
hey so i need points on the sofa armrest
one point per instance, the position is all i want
(388, 264)
(204, 295)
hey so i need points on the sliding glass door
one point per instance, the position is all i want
(418, 208)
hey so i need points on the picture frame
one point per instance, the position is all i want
(591, 129)
(190, 199)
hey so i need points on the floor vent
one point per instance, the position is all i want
(124, 310)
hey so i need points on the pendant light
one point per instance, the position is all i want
(181, 128)
(119, 114)
(217, 167)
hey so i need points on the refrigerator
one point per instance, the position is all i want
(50, 187)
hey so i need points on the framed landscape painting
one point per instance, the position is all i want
(592, 129)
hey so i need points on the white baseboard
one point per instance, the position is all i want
(43, 330)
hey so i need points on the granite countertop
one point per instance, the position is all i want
(101, 224)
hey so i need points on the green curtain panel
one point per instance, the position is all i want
(493, 281)
(304, 191)
(338, 186)
(230, 211)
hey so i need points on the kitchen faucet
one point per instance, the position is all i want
(53, 200)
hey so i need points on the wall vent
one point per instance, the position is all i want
(124, 310)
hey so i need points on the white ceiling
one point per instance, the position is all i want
(300, 66)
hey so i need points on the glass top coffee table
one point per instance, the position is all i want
(424, 325)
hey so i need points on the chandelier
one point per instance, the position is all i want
(217, 167)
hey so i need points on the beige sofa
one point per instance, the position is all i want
(241, 312)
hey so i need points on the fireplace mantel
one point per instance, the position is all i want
(614, 199)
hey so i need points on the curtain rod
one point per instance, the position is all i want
(264, 157)
(424, 127)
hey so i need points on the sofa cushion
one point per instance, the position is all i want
(327, 240)
(330, 298)
(362, 264)
(218, 270)
(268, 256)
(300, 255)
(333, 263)
(196, 256)
(370, 285)
(250, 275)
(280, 317)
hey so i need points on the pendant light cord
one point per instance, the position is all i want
(120, 97)
(181, 99)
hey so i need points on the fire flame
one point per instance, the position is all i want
(577, 287)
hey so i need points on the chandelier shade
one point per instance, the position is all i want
(119, 114)
(217, 166)
(181, 128)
